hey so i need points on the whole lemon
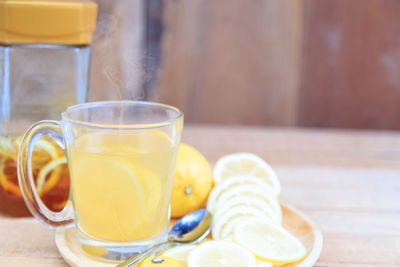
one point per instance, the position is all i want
(161, 261)
(193, 181)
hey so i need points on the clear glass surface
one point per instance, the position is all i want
(37, 82)
(121, 156)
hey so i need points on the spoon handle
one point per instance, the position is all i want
(142, 256)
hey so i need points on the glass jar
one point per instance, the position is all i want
(44, 68)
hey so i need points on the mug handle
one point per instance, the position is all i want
(65, 217)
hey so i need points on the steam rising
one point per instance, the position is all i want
(118, 54)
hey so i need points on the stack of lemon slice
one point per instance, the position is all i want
(247, 219)
(246, 187)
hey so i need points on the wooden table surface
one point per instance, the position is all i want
(348, 182)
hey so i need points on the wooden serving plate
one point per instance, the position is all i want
(293, 220)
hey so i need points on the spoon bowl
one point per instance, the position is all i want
(191, 228)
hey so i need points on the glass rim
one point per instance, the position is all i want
(87, 105)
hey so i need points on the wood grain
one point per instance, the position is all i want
(351, 64)
(347, 182)
(317, 63)
(293, 220)
(300, 146)
(232, 61)
(238, 62)
(25, 242)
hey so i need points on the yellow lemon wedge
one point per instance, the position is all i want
(269, 242)
(221, 254)
(192, 182)
(246, 164)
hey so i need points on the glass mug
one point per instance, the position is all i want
(121, 156)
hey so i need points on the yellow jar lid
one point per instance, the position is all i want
(47, 21)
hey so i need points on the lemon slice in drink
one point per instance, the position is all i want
(231, 183)
(108, 195)
(152, 187)
(42, 144)
(41, 184)
(268, 241)
(246, 164)
(8, 176)
(221, 253)
(150, 182)
(7, 149)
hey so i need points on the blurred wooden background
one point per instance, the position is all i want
(232, 61)
(351, 64)
(322, 63)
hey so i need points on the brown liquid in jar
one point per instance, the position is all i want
(50, 173)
